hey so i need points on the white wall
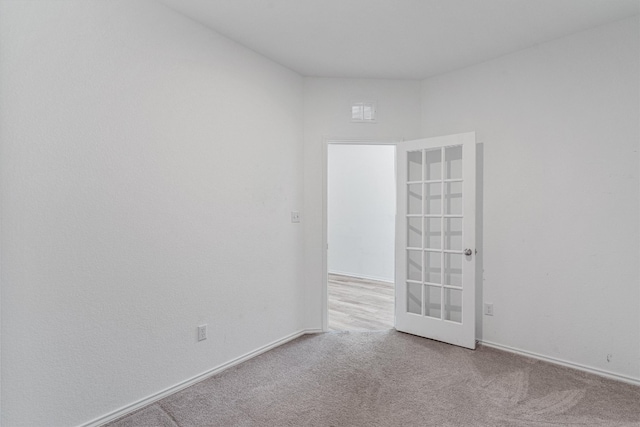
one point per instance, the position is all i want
(149, 167)
(327, 109)
(361, 206)
(560, 129)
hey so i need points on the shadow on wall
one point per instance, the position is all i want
(479, 237)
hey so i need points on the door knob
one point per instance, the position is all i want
(468, 252)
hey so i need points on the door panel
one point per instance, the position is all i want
(435, 238)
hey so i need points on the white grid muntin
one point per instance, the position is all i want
(445, 204)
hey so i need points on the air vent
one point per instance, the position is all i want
(363, 112)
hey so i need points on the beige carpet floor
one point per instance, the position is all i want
(393, 379)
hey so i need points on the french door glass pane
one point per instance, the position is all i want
(432, 269)
(414, 199)
(433, 199)
(453, 269)
(432, 233)
(414, 232)
(453, 234)
(453, 162)
(414, 166)
(453, 305)
(414, 298)
(433, 165)
(453, 198)
(432, 301)
(414, 265)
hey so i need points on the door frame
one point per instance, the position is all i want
(325, 181)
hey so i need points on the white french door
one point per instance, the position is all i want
(435, 238)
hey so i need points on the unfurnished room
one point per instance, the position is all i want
(319, 213)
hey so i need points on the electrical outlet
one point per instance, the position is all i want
(295, 216)
(202, 332)
(488, 309)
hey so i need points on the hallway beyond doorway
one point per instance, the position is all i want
(359, 304)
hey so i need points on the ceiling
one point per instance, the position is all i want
(396, 39)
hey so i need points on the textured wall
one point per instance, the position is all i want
(560, 133)
(149, 167)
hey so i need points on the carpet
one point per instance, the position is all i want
(388, 378)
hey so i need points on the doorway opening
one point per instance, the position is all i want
(361, 206)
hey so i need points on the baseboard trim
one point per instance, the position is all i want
(361, 276)
(578, 366)
(193, 380)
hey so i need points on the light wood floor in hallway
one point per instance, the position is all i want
(359, 304)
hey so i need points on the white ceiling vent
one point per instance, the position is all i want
(363, 111)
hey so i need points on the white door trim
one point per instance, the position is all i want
(325, 176)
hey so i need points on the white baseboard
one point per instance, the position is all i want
(596, 371)
(200, 377)
(361, 276)
(193, 380)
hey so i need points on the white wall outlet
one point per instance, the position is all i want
(295, 216)
(488, 309)
(202, 332)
